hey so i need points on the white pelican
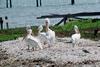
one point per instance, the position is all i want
(75, 37)
(42, 36)
(31, 40)
(50, 33)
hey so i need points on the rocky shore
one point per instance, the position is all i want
(62, 54)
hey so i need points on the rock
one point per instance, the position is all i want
(85, 51)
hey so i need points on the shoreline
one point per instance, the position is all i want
(87, 29)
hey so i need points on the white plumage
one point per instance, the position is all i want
(51, 36)
(50, 33)
(31, 40)
(47, 37)
(75, 37)
(42, 36)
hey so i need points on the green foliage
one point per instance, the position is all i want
(84, 25)
(4, 37)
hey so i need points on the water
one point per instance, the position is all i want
(25, 11)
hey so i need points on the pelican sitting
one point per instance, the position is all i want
(75, 37)
(50, 33)
(31, 40)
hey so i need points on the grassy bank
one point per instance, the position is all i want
(86, 27)
(12, 34)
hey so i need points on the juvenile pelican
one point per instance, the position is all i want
(42, 36)
(75, 37)
(31, 40)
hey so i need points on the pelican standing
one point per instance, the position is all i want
(50, 33)
(31, 40)
(42, 36)
(75, 37)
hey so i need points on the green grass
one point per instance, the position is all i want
(4, 37)
(82, 24)
(65, 30)
(12, 34)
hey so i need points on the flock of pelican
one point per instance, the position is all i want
(46, 38)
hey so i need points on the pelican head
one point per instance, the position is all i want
(40, 28)
(47, 21)
(28, 29)
(76, 29)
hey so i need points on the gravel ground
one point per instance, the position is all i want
(61, 54)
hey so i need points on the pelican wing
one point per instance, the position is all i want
(34, 43)
(43, 38)
(51, 35)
